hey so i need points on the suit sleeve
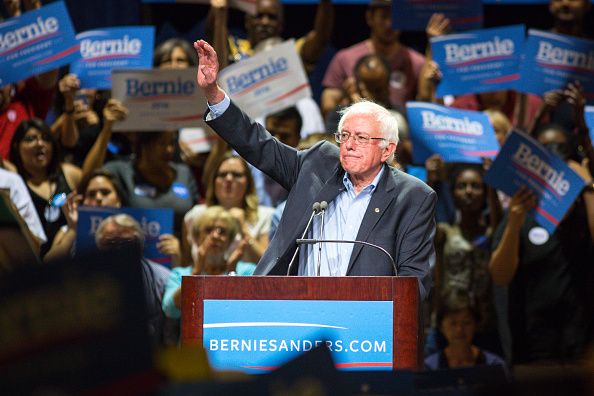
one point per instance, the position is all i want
(416, 255)
(254, 143)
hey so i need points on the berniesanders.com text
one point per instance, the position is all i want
(276, 345)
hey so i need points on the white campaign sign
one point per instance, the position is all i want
(267, 82)
(158, 99)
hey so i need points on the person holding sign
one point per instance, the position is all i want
(549, 275)
(368, 200)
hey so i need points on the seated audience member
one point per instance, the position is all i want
(152, 180)
(212, 233)
(100, 188)
(232, 187)
(36, 154)
(405, 63)
(122, 231)
(20, 197)
(463, 250)
(457, 319)
(549, 276)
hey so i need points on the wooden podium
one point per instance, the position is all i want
(402, 291)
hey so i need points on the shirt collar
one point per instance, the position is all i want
(370, 188)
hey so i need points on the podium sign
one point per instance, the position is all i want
(257, 323)
(258, 336)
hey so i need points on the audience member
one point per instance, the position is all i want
(100, 188)
(549, 276)
(405, 62)
(264, 30)
(232, 187)
(123, 232)
(212, 233)
(457, 319)
(152, 180)
(463, 250)
(36, 155)
(20, 197)
(175, 53)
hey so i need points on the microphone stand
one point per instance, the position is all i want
(314, 241)
(315, 210)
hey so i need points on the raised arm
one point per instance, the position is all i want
(505, 258)
(318, 38)
(65, 128)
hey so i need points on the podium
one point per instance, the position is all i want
(243, 300)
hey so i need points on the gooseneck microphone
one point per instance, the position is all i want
(323, 207)
(320, 241)
(315, 209)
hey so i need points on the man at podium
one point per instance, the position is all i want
(374, 219)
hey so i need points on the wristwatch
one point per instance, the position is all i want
(590, 186)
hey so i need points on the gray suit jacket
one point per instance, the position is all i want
(399, 218)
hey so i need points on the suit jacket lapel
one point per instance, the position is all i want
(383, 195)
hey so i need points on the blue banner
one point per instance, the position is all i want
(456, 135)
(479, 61)
(589, 116)
(522, 161)
(112, 48)
(258, 336)
(36, 42)
(552, 60)
(413, 15)
(154, 223)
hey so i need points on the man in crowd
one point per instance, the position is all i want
(368, 201)
(405, 63)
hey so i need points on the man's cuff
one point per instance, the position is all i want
(216, 110)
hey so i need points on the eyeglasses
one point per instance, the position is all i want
(362, 139)
(219, 230)
(235, 175)
(34, 138)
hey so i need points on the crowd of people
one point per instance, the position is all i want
(499, 289)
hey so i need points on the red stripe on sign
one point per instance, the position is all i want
(364, 364)
(547, 215)
(291, 92)
(59, 55)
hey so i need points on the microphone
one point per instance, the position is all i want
(323, 206)
(315, 209)
(314, 241)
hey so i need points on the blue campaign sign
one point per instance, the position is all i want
(106, 49)
(36, 42)
(479, 61)
(552, 60)
(589, 116)
(456, 135)
(154, 222)
(522, 161)
(257, 336)
(413, 15)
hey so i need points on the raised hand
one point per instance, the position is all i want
(438, 25)
(114, 111)
(208, 71)
(522, 201)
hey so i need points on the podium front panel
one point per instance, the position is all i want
(255, 324)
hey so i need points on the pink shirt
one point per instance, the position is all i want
(406, 67)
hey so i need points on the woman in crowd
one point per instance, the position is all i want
(232, 187)
(463, 249)
(457, 320)
(212, 232)
(100, 188)
(175, 53)
(36, 155)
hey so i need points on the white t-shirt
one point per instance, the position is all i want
(19, 195)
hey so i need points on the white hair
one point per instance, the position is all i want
(388, 124)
